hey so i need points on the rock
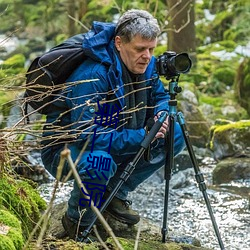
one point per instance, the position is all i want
(232, 139)
(149, 238)
(181, 179)
(227, 110)
(231, 169)
(190, 96)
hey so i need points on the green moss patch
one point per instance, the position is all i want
(22, 200)
(128, 244)
(10, 231)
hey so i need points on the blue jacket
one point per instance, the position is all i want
(103, 68)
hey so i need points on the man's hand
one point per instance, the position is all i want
(164, 128)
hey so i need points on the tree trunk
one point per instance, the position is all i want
(181, 27)
(83, 7)
(72, 13)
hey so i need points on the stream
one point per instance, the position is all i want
(187, 212)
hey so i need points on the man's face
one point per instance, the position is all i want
(137, 53)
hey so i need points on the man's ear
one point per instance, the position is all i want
(118, 42)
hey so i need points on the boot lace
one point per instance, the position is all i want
(127, 203)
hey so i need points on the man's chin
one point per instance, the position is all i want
(139, 71)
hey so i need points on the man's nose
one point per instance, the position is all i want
(146, 54)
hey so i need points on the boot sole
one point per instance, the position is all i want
(121, 219)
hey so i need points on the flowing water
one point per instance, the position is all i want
(187, 212)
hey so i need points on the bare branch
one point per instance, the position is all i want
(67, 155)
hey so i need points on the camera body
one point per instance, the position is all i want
(171, 65)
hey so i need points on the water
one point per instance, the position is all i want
(187, 212)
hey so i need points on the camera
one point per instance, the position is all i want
(171, 65)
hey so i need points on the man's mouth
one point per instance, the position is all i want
(143, 63)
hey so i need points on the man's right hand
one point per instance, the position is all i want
(163, 129)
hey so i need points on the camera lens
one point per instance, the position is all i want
(182, 63)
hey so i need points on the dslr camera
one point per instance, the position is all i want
(171, 65)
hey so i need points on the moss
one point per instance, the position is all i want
(16, 61)
(16, 237)
(225, 75)
(214, 101)
(229, 45)
(220, 24)
(235, 125)
(128, 244)
(22, 200)
(220, 131)
(13, 239)
(65, 245)
(9, 219)
(219, 102)
(13, 71)
(6, 243)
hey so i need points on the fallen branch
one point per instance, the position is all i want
(65, 154)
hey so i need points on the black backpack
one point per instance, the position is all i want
(47, 74)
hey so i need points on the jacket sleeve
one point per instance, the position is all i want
(82, 99)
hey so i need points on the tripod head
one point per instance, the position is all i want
(174, 89)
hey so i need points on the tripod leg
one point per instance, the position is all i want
(199, 176)
(168, 173)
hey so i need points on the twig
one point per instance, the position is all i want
(137, 236)
(99, 238)
(77, 21)
(66, 155)
(45, 217)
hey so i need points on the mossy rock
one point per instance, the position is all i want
(231, 139)
(128, 244)
(11, 237)
(22, 200)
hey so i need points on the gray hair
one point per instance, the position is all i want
(137, 22)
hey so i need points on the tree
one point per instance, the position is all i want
(181, 27)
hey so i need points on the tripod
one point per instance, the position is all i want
(169, 163)
(173, 90)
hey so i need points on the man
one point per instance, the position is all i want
(121, 67)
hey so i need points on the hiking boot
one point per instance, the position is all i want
(75, 231)
(121, 211)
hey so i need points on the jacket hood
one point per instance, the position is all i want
(98, 43)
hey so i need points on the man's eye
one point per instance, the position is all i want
(139, 50)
